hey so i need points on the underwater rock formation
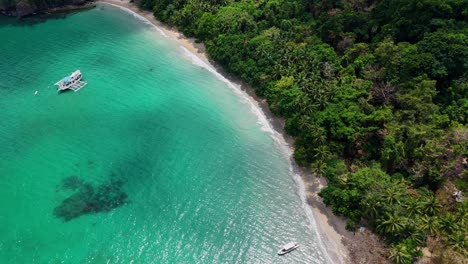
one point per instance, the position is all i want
(89, 199)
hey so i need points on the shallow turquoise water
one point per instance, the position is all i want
(204, 183)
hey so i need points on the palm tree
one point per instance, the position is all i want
(304, 122)
(413, 208)
(458, 241)
(399, 254)
(392, 224)
(306, 105)
(418, 236)
(447, 224)
(431, 207)
(430, 224)
(318, 133)
(461, 215)
(392, 195)
(373, 205)
(371, 209)
(322, 153)
(319, 166)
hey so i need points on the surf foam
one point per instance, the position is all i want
(262, 120)
(139, 17)
(278, 138)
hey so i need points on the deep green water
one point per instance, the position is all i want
(205, 181)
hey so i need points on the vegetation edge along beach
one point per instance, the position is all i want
(331, 228)
(374, 94)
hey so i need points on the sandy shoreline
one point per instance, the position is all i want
(330, 227)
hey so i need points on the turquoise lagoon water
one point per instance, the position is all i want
(157, 160)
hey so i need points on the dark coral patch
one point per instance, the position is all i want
(90, 200)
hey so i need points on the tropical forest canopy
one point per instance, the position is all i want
(375, 93)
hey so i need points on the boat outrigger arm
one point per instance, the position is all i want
(72, 82)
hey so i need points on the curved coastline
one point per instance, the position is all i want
(328, 227)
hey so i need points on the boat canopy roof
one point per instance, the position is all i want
(77, 72)
(289, 245)
(73, 74)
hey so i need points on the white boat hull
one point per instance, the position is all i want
(288, 249)
(72, 82)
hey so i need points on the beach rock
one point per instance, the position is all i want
(7, 8)
(24, 8)
(77, 2)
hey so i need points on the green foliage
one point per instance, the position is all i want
(400, 254)
(348, 192)
(380, 84)
(448, 51)
(458, 241)
(391, 224)
(409, 20)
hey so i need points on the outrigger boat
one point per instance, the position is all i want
(72, 82)
(288, 248)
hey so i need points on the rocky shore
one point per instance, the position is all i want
(24, 8)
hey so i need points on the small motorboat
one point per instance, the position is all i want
(288, 248)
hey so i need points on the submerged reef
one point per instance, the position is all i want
(89, 199)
